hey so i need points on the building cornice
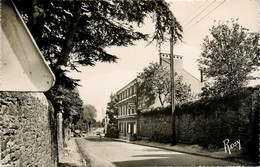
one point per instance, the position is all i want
(126, 86)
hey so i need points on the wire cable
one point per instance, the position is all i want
(194, 12)
(204, 16)
(200, 13)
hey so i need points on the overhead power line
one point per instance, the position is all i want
(205, 16)
(200, 13)
(187, 18)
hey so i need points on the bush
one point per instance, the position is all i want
(112, 132)
(133, 138)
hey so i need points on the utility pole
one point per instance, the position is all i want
(106, 121)
(172, 90)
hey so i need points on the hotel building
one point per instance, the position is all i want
(127, 110)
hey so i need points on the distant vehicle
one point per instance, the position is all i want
(102, 135)
(83, 133)
(77, 133)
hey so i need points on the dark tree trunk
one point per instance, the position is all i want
(68, 43)
(160, 99)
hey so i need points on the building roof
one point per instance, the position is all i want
(130, 83)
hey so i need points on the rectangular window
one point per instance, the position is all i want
(121, 127)
(129, 128)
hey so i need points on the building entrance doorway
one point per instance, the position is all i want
(125, 129)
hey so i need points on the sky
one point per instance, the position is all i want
(196, 17)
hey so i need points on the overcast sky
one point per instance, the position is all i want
(197, 17)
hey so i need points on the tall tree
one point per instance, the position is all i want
(89, 113)
(155, 81)
(228, 58)
(74, 33)
(72, 105)
(112, 109)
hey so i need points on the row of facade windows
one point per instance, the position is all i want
(126, 110)
(127, 92)
(128, 127)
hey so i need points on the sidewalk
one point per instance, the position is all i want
(70, 156)
(236, 156)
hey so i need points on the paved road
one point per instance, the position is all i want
(104, 153)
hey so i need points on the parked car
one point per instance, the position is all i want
(77, 133)
(83, 133)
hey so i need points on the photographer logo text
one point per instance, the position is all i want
(228, 147)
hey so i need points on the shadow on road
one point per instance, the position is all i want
(98, 139)
(66, 165)
(173, 160)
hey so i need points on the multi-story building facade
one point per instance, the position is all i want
(130, 99)
(127, 110)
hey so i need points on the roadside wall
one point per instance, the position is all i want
(210, 122)
(27, 136)
(155, 125)
(207, 122)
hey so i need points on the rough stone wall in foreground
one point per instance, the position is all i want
(25, 130)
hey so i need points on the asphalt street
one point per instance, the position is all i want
(106, 152)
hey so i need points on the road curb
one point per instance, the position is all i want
(80, 154)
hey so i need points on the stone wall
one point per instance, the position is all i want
(155, 126)
(208, 122)
(27, 133)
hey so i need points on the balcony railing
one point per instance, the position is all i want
(127, 116)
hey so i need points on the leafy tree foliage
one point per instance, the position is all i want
(89, 116)
(155, 81)
(89, 113)
(228, 58)
(67, 100)
(112, 109)
(74, 33)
